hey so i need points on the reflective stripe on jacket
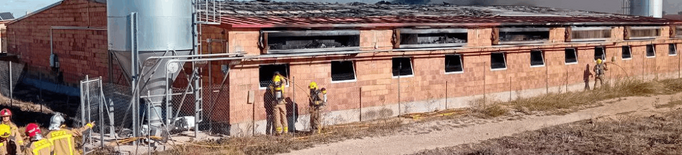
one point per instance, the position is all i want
(40, 147)
(63, 140)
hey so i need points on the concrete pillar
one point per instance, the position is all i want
(559, 34)
(620, 33)
(483, 37)
(244, 41)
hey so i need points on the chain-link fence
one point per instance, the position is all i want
(10, 73)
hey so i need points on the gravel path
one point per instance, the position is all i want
(444, 133)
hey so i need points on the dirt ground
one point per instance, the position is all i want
(621, 134)
(446, 133)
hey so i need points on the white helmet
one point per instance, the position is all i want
(56, 121)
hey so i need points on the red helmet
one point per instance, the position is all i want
(32, 129)
(5, 112)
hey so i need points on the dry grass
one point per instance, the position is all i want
(648, 135)
(264, 144)
(671, 104)
(554, 102)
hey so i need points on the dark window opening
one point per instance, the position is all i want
(343, 71)
(537, 58)
(650, 51)
(415, 38)
(590, 33)
(312, 41)
(645, 32)
(523, 34)
(679, 31)
(497, 61)
(599, 53)
(266, 72)
(453, 63)
(571, 55)
(626, 52)
(672, 49)
(402, 66)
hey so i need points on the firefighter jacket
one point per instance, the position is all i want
(40, 147)
(64, 141)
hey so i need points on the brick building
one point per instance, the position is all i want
(376, 60)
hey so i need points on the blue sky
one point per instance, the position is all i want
(19, 7)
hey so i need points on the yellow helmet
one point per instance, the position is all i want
(4, 131)
(277, 78)
(324, 90)
(312, 85)
(599, 61)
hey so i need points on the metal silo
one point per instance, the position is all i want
(651, 8)
(155, 28)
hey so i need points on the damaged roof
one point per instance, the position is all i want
(312, 14)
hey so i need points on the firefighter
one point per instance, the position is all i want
(37, 144)
(5, 133)
(317, 98)
(15, 135)
(280, 108)
(62, 138)
(599, 71)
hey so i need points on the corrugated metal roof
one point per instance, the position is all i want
(307, 15)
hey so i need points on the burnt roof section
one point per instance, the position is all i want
(313, 14)
(6, 16)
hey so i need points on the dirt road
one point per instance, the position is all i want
(442, 133)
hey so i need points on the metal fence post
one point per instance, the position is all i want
(101, 113)
(11, 95)
(112, 129)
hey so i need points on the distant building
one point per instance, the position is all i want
(5, 17)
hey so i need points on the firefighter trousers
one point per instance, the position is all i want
(599, 78)
(281, 124)
(315, 118)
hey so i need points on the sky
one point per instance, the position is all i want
(20, 7)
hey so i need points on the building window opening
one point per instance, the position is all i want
(453, 63)
(626, 52)
(498, 61)
(645, 32)
(599, 53)
(421, 38)
(523, 35)
(672, 49)
(266, 72)
(537, 58)
(402, 67)
(571, 56)
(590, 34)
(287, 42)
(343, 71)
(650, 51)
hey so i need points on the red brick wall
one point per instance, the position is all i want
(80, 52)
(374, 76)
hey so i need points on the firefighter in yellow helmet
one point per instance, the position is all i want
(62, 138)
(15, 136)
(317, 98)
(279, 105)
(599, 71)
(38, 145)
(5, 133)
